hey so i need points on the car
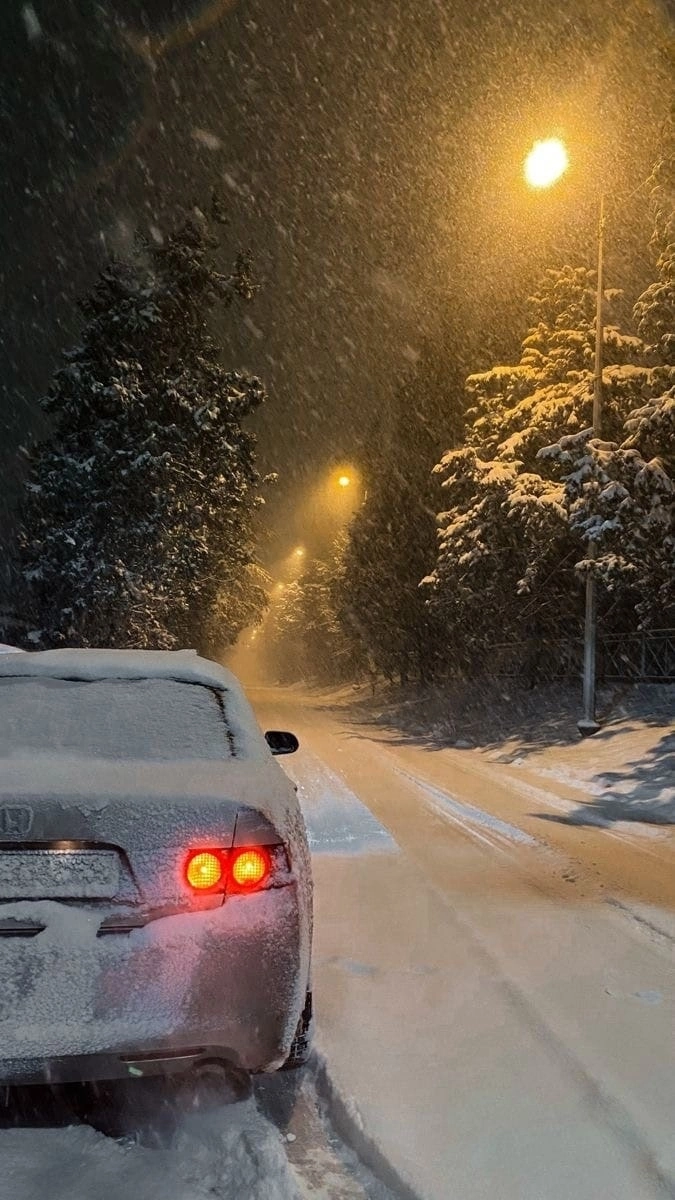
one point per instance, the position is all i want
(155, 880)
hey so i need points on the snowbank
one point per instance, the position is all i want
(229, 1154)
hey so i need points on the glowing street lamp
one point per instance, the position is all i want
(544, 165)
(299, 552)
(344, 481)
(546, 162)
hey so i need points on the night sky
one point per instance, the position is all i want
(370, 153)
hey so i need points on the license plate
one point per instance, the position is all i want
(58, 874)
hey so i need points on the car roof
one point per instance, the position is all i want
(182, 666)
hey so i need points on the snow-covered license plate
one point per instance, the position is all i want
(58, 874)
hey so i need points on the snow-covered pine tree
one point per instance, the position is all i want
(620, 493)
(240, 603)
(392, 540)
(505, 565)
(284, 642)
(138, 509)
(305, 635)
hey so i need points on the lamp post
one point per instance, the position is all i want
(588, 724)
(544, 165)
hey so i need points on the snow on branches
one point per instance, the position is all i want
(532, 488)
(137, 514)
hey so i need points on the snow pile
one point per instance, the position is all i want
(228, 1154)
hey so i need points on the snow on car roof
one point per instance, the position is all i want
(183, 666)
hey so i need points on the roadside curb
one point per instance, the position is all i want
(348, 1125)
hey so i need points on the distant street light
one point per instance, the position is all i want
(544, 165)
(344, 481)
(299, 552)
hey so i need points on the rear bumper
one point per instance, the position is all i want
(227, 984)
(90, 1068)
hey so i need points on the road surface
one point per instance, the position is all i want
(495, 983)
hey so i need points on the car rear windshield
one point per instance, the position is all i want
(155, 719)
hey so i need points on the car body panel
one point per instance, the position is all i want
(226, 979)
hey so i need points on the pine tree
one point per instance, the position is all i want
(620, 493)
(240, 603)
(284, 635)
(138, 510)
(305, 635)
(505, 566)
(392, 540)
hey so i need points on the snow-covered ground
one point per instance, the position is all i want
(494, 978)
(494, 983)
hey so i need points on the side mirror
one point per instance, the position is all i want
(281, 743)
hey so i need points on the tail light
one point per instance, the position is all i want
(204, 870)
(249, 869)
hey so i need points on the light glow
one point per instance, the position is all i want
(546, 162)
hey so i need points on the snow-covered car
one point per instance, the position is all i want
(155, 886)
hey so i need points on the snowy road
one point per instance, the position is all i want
(495, 983)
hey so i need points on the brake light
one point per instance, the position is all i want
(250, 868)
(245, 870)
(204, 870)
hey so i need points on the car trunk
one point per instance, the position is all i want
(117, 834)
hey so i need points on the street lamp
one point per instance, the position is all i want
(546, 162)
(588, 724)
(544, 165)
(344, 481)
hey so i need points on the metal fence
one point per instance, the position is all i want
(647, 657)
(644, 656)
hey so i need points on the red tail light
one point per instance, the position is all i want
(205, 871)
(248, 869)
